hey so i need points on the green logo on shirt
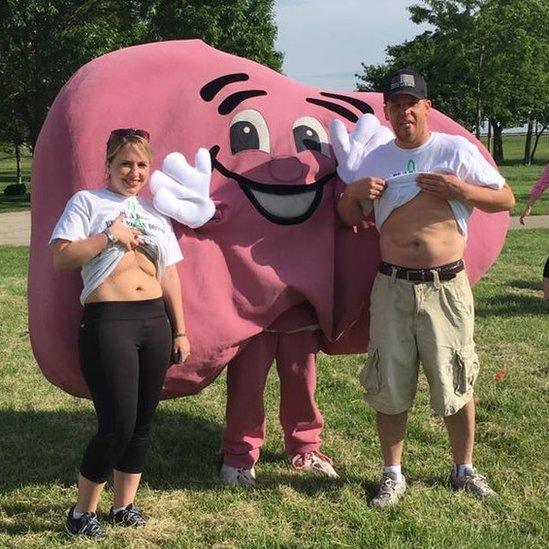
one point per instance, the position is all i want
(411, 166)
(134, 218)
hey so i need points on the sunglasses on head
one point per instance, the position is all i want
(128, 132)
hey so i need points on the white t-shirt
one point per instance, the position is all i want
(441, 153)
(87, 213)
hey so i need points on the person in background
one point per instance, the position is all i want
(540, 186)
(132, 322)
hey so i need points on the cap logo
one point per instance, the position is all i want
(403, 81)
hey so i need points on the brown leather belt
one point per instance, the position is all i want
(445, 272)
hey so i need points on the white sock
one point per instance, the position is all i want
(461, 469)
(116, 509)
(76, 514)
(396, 469)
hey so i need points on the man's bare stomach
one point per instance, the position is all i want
(133, 279)
(422, 233)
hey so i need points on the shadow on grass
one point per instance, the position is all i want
(46, 447)
(526, 284)
(507, 305)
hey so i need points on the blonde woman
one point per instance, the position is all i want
(132, 322)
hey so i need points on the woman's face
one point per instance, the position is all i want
(128, 172)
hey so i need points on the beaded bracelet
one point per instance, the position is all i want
(179, 334)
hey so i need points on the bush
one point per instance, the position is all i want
(16, 189)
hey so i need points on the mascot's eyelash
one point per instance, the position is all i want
(360, 105)
(230, 103)
(334, 107)
(212, 88)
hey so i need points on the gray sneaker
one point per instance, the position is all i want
(474, 483)
(237, 476)
(390, 490)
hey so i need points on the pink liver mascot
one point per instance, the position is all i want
(272, 275)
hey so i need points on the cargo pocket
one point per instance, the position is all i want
(370, 376)
(466, 368)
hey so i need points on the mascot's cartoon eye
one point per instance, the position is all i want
(249, 132)
(310, 135)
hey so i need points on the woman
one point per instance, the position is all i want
(127, 252)
(540, 186)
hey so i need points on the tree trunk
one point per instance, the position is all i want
(489, 137)
(498, 142)
(526, 161)
(538, 135)
(18, 162)
(479, 104)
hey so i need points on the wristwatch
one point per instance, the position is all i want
(112, 240)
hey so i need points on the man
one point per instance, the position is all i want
(423, 187)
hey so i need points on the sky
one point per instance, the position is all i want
(325, 41)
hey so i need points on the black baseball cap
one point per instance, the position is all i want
(405, 81)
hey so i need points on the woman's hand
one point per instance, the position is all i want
(525, 213)
(128, 237)
(181, 348)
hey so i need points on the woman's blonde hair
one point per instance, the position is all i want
(120, 138)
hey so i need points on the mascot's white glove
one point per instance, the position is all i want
(183, 192)
(351, 149)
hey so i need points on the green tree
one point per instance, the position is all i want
(43, 42)
(484, 60)
(244, 27)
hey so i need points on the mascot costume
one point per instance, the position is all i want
(273, 274)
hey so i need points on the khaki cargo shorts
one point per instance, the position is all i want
(428, 322)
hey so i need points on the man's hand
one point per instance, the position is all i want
(368, 188)
(443, 186)
(182, 191)
(356, 202)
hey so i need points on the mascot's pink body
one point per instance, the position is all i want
(274, 263)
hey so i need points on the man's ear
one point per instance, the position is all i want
(386, 112)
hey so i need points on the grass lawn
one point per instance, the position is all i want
(521, 178)
(44, 432)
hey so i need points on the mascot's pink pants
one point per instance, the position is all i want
(300, 417)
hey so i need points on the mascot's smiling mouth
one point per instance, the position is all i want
(281, 204)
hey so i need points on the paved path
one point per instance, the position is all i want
(15, 226)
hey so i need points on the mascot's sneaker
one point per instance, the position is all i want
(474, 483)
(390, 491)
(87, 525)
(129, 516)
(315, 462)
(237, 476)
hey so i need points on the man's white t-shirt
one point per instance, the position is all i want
(88, 213)
(441, 153)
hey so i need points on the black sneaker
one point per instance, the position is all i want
(129, 516)
(87, 525)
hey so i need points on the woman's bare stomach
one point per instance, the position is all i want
(421, 233)
(133, 279)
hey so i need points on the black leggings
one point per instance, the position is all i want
(124, 352)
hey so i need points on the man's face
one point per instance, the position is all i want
(408, 117)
